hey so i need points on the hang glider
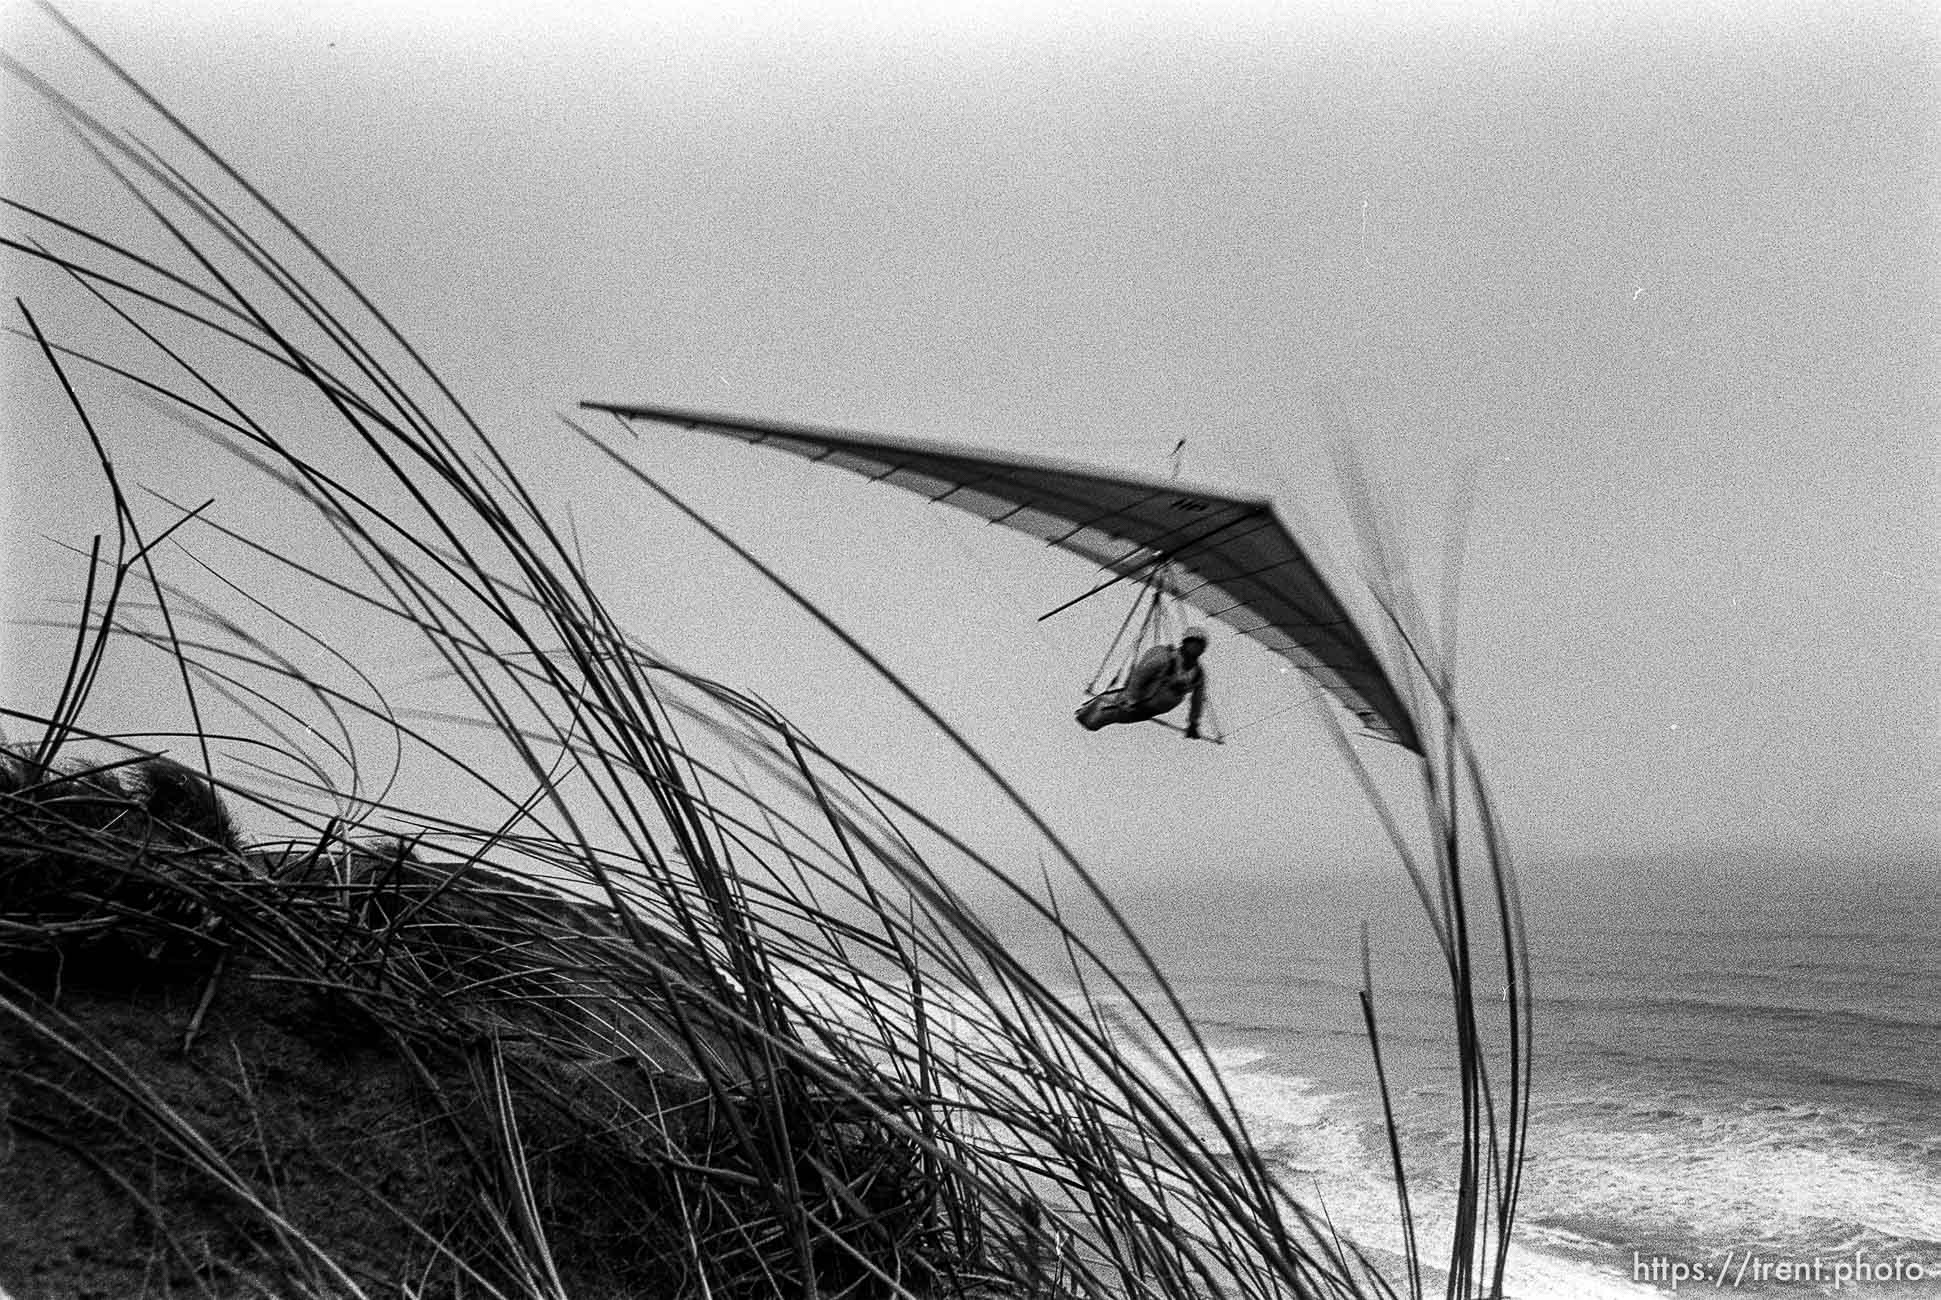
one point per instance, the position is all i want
(1230, 556)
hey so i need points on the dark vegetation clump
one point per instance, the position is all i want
(238, 1072)
(585, 974)
(88, 860)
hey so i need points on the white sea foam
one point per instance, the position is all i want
(1535, 1275)
(1781, 1176)
(1321, 1142)
(1786, 1180)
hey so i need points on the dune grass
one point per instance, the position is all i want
(680, 1003)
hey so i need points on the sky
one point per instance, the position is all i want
(1644, 292)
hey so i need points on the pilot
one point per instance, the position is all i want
(1164, 677)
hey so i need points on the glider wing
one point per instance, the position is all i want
(1233, 558)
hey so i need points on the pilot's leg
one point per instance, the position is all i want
(1102, 711)
(1114, 707)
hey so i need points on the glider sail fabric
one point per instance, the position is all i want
(1232, 557)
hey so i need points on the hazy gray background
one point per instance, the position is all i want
(1660, 278)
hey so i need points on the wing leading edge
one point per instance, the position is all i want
(1233, 557)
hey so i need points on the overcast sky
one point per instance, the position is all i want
(1659, 277)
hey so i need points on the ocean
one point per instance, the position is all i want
(1738, 1069)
